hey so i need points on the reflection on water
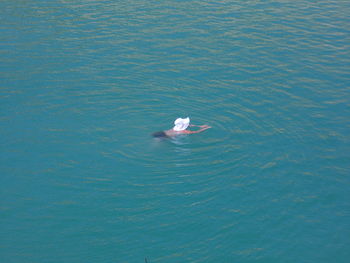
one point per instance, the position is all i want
(182, 146)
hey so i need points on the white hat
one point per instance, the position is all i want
(181, 124)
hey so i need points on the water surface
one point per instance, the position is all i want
(84, 84)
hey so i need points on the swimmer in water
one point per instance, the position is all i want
(180, 128)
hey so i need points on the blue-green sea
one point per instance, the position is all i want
(84, 84)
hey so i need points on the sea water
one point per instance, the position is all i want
(84, 84)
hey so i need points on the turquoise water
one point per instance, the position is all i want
(83, 84)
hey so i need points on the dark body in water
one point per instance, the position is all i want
(160, 134)
(171, 133)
